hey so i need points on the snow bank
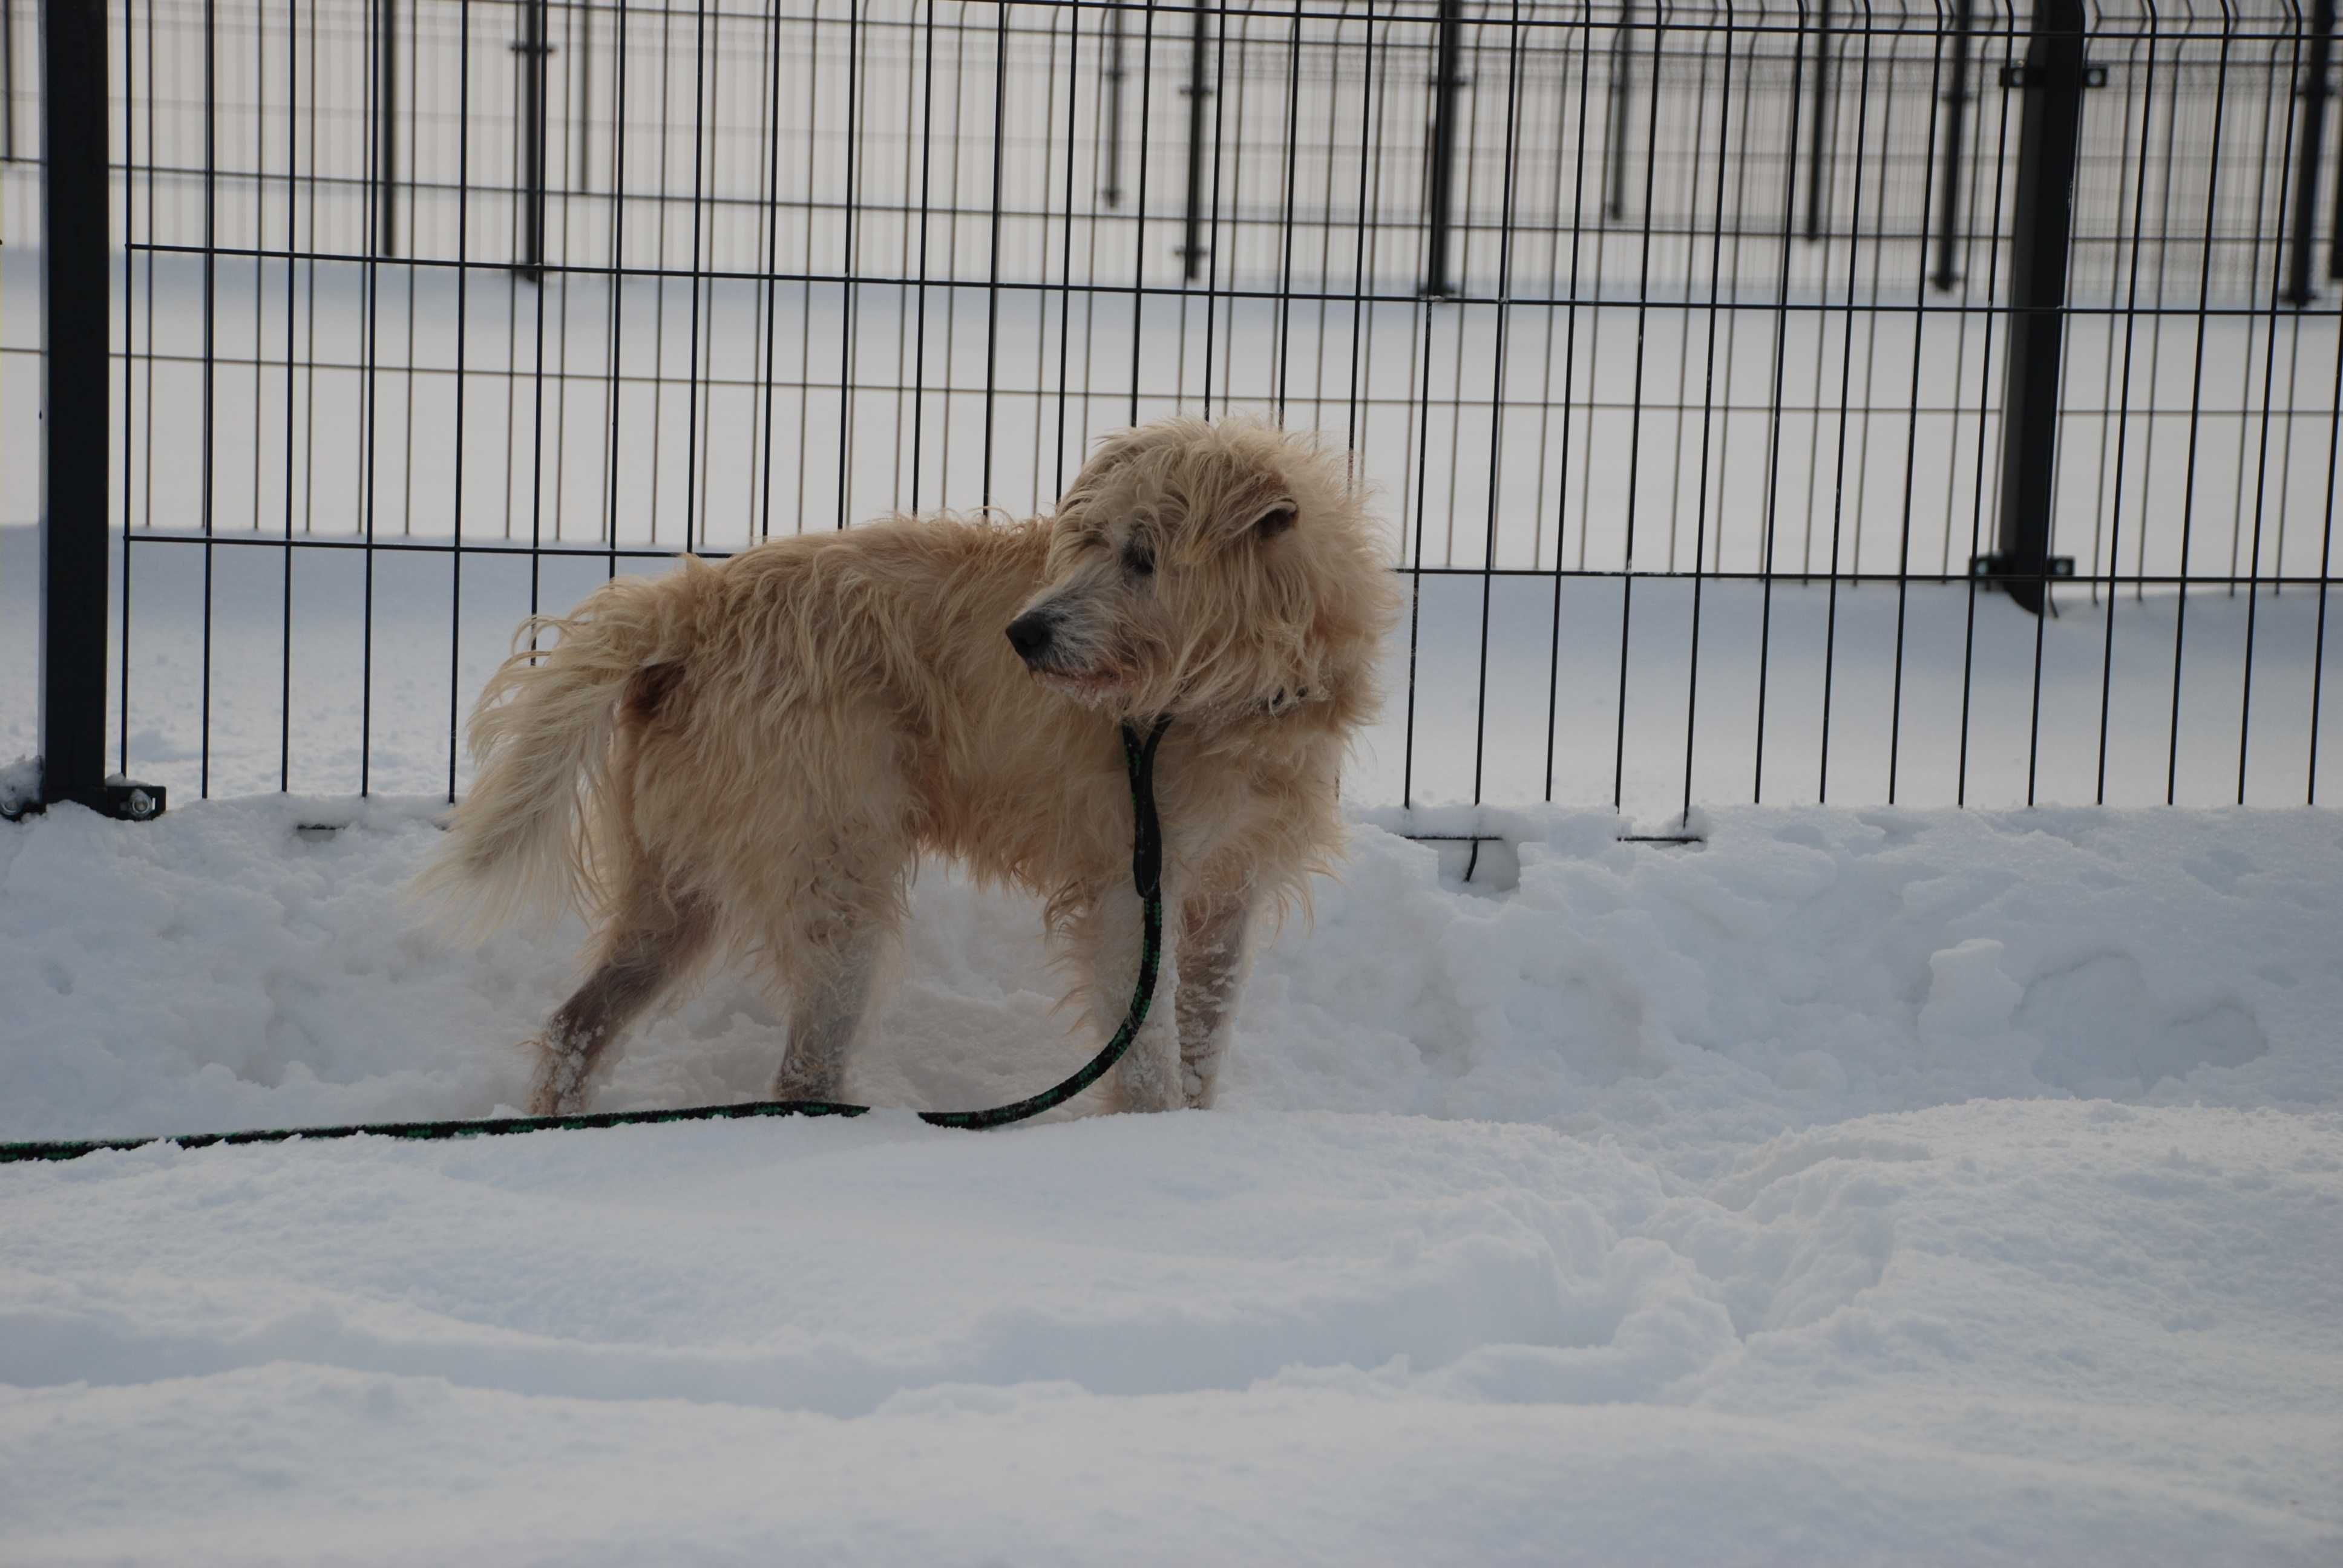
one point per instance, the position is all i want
(1891, 1185)
(252, 962)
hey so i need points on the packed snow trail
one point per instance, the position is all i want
(1854, 1186)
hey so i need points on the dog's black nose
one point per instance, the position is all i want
(1028, 634)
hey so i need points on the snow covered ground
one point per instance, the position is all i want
(1858, 1185)
(1905, 1186)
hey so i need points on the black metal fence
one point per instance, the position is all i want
(1735, 378)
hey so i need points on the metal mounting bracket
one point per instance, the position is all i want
(124, 799)
(2016, 78)
(1991, 568)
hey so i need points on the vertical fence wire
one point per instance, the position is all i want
(1675, 346)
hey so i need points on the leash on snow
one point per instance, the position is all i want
(1146, 875)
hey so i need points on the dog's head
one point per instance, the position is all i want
(1215, 570)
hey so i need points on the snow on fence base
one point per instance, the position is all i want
(2132, 701)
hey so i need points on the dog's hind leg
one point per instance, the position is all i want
(653, 941)
(830, 988)
(1212, 970)
(826, 947)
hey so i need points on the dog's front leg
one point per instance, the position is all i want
(1148, 1077)
(1211, 971)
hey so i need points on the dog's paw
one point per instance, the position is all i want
(794, 1082)
(559, 1085)
(1147, 1086)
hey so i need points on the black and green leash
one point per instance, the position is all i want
(1146, 875)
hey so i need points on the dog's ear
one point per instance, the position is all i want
(1112, 454)
(1239, 502)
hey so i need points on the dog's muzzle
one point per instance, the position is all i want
(1032, 635)
(1060, 662)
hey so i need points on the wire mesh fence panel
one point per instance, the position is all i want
(1676, 343)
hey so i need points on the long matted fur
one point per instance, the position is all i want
(750, 756)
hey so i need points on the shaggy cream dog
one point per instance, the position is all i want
(748, 757)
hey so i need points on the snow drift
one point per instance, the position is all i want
(1907, 1185)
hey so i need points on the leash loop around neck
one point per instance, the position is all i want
(1147, 879)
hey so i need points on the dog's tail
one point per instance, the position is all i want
(522, 844)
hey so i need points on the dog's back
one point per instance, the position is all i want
(782, 668)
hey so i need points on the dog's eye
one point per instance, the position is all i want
(1139, 560)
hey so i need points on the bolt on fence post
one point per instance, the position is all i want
(76, 414)
(386, 132)
(1111, 154)
(1948, 182)
(1441, 175)
(1191, 248)
(1819, 126)
(531, 50)
(2050, 128)
(2298, 289)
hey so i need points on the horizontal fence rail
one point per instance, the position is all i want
(1733, 380)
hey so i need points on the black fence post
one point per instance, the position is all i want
(1111, 154)
(1818, 127)
(1441, 177)
(2298, 289)
(581, 25)
(1192, 248)
(2335, 229)
(2050, 128)
(7, 81)
(76, 414)
(532, 49)
(1948, 182)
(1622, 105)
(386, 128)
